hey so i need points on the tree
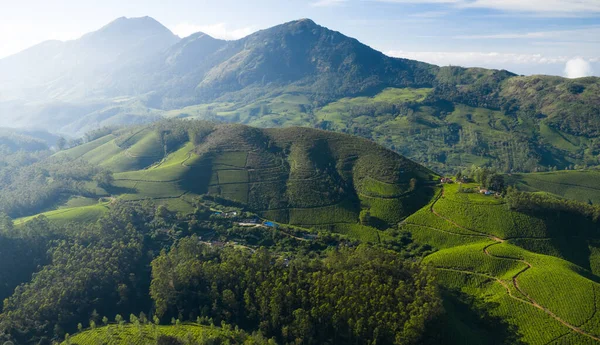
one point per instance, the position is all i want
(496, 182)
(61, 143)
(168, 340)
(104, 178)
(365, 217)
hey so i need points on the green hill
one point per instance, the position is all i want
(298, 176)
(537, 271)
(577, 185)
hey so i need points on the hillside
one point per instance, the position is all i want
(299, 176)
(577, 185)
(535, 271)
(302, 74)
(225, 215)
(129, 334)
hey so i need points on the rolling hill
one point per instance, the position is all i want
(302, 74)
(536, 271)
(298, 176)
(507, 275)
(577, 185)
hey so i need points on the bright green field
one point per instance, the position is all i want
(544, 296)
(147, 334)
(82, 214)
(582, 186)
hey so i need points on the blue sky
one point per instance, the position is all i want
(560, 37)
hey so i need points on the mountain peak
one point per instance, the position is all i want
(125, 25)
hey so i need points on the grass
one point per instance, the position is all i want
(82, 214)
(534, 292)
(577, 185)
(147, 334)
(298, 176)
(358, 232)
(81, 150)
(80, 201)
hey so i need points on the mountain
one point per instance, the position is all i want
(57, 70)
(303, 74)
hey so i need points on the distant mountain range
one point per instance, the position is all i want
(299, 73)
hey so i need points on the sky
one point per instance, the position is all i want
(557, 37)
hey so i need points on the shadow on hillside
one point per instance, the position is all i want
(467, 320)
(114, 190)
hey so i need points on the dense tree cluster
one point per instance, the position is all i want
(523, 201)
(351, 296)
(30, 182)
(101, 266)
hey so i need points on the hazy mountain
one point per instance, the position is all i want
(303, 74)
(68, 70)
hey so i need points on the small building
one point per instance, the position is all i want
(271, 225)
(486, 192)
(446, 180)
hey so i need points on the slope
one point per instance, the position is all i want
(577, 185)
(303, 74)
(297, 176)
(518, 264)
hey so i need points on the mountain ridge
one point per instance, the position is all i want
(302, 74)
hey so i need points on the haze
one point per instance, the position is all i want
(559, 37)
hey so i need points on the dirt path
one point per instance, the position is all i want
(529, 300)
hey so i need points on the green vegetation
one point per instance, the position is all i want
(515, 255)
(577, 185)
(350, 296)
(358, 228)
(446, 118)
(142, 333)
(298, 176)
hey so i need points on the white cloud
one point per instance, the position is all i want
(588, 34)
(543, 6)
(546, 7)
(219, 30)
(578, 68)
(430, 14)
(327, 3)
(482, 59)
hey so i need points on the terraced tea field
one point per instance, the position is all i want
(129, 334)
(577, 185)
(549, 299)
(297, 176)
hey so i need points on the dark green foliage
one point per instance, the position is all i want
(168, 340)
(12, 140)
(535, 202)
(31, 183)
(350, 296)
(99, 267)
